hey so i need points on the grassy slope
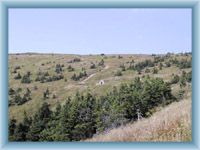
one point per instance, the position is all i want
(172, 123)
(64, 89)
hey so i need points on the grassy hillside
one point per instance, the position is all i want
(172, 123)
(61, 89)
(54, 97)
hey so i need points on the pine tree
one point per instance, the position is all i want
(20, 133)
(39, 122)
(12, 128)
(63, 128)
(26, 78)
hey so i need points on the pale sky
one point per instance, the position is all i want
(95, 31)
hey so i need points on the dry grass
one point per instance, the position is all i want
(173, 123)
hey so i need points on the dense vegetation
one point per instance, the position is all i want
(84, 114)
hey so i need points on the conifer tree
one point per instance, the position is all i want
(12, 128)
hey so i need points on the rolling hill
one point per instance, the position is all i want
(54, 78)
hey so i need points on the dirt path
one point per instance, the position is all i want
(90, 76)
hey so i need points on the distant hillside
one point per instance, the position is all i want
(173, 123)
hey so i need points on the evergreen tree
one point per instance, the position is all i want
(155, 70)
(175, 79)
(101, 63)
(20, 133)
(18, 76)
(92, 66)
(26, 78)
(39, 122)
(12, 127)
(11, 91)
(160, 66)
(46, 94)
(70, 68)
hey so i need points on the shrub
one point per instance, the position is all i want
(118, 73)
(168, 64)
(18, 76)
(70, 68)
(122, 66)
(175, 79)
(101, 63)
(183, 64)
(147, 70)
(58, 68)
(155, 70)
(92, 66)
(26, 78)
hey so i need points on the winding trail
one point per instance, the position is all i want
(83, 82)
(90, 76)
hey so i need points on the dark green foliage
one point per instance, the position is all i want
(20, 133)
(155, 70)
(78, 77)
(59, 68)
(54, 96)
(82, 117)
(175, 79)
(16, 68)
(12, 127)
(55, 78)
(174, 61)
(141, 65)
(11, 91)
(44, 77)
(101, 63)
(16, 99)
(85, 115)
(189, 76)
(182, 82)
(131, 65)
(92, 66)
(39, 122)
(160, 66)
(182, 64)
(147, 70)
(26, 78)
(18, 76)
(118, 73)
(76, 60)
(185, 77)
(158, 59)
(35, 87)
(122, 66)
(180, 94)
(70, 68)
(46, 94)
(74, 77)
(120, 57)
(19, 90)
(168, 64)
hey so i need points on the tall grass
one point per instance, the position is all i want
(172, 123)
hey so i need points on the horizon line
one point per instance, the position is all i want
(14, 53)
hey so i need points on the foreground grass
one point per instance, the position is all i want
(172, 123)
